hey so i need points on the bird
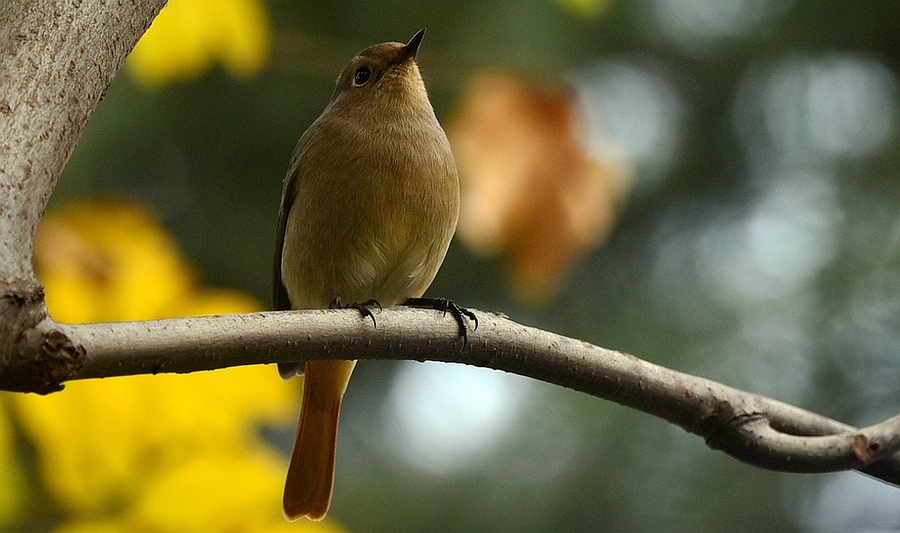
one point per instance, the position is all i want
(369, 207)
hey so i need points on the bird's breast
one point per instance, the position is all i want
(375, 223)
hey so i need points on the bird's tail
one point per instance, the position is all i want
(310, 477)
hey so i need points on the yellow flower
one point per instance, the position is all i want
(102, 442)
(245, 496)
(190, 36)
(247, 493)
(102, 262)
(149, 453)
(12, 486)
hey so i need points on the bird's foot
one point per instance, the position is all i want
(445, 305)
(362, 307)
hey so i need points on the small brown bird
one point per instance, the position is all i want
(368, 209)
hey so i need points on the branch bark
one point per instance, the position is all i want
(755, 429)
(56, 59)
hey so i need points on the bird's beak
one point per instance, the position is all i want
(409, 51)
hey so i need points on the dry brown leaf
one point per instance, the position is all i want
(530, 190)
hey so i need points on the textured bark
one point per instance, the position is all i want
(56, 60)
(755, 429)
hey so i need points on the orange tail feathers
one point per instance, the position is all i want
(310, 476)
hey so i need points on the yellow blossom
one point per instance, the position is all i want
(102, 262)
(11, 476)
(149, 453)
(190, 36)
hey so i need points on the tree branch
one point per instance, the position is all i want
(755, 429)
(57, 57)
(56, 60)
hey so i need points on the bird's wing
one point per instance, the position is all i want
(280, 299)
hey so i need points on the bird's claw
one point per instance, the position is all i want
(362, 307)
(442, 304)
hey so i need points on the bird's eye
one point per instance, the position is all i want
(362, 76)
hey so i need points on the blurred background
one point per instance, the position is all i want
(711, 185)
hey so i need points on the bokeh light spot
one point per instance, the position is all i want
(449, 416)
